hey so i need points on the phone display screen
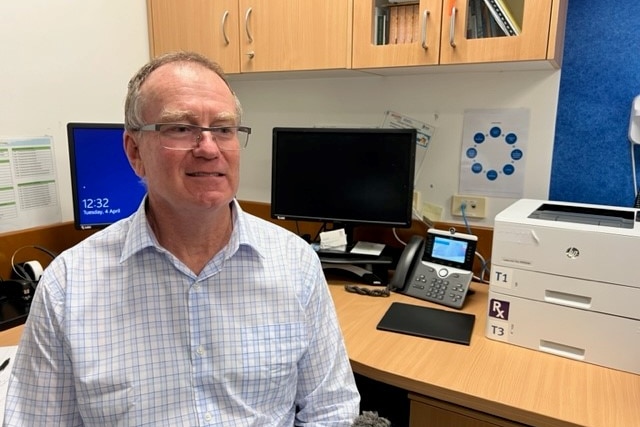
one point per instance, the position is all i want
(449, 250)
(452, 250)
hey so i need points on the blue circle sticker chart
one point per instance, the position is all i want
(493, 157)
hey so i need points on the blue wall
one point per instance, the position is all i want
(600, 77)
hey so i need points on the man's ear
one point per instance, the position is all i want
(131, 149)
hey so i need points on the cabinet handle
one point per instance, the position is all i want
(452, 28)
(425, 14)
(246, 25)
(225, 16)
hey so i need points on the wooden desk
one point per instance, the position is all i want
(488, 383)
(11, 336)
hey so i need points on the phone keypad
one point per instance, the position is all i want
(440, 285)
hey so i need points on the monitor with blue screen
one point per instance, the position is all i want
(104, 187)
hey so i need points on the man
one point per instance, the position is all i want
(190, 312)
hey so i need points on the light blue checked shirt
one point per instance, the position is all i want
(121, 333)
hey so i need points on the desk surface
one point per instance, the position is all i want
(500, 379)
(11, 336)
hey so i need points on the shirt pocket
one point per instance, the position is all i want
(270, 359)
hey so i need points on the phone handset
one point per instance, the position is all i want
(410, 255)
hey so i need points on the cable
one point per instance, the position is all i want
(379, 292)
(463, 207)
(484, 268)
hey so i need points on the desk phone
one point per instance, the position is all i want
(438, 268)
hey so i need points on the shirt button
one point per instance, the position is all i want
(208, 416)
(200, 350)
(196, 286)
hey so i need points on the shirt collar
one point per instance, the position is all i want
(140, 235)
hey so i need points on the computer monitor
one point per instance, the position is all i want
(104, 187)
(343, 176)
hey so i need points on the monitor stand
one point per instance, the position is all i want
(361, 274)
(370, 270)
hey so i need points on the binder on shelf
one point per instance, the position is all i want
(402, 24)
(382, 18)
(393, 25)
(503, 16)
(416, 22)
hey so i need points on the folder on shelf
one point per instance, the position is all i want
(503, 16)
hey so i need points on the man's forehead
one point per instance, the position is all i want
(185, 70)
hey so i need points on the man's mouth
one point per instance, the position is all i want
(205, 174)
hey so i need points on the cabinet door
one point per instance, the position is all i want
(395, 35)
(426, 412)
(205, 26)
(283, 35)
(471, 35)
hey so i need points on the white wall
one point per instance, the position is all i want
(70, 60)
(64, 61)
(438, 99)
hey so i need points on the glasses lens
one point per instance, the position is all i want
(226, 138)
(242, 134)
(179, 136)
(187, 137)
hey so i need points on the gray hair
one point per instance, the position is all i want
(135, 101)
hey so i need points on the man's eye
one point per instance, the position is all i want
(224, 130)
(178, 129)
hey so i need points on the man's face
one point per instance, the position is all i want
(204, 177)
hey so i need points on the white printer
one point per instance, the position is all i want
(564, 281)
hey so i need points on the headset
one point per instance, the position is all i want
(28, 272)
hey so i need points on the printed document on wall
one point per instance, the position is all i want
(28, 184)
(494, 147)
(425, 132)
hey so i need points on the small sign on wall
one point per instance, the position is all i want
(28, 183)
(494, 147)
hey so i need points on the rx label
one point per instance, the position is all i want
(497, 322)
(499, 309)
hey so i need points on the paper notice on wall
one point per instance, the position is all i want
(28, 183)
(494, 148)
(424, 134)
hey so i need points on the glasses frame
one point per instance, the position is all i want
(155, 127)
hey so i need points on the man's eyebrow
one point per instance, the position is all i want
(177, 116)
(226, 116)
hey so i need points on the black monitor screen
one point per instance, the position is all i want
(104, 187)
(351, 176)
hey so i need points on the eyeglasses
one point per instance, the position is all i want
(185, 137)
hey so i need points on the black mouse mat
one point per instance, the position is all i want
(428, 322)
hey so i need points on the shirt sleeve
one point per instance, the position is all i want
(327, 393)
(41, 391)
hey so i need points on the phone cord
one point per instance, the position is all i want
(384, 292)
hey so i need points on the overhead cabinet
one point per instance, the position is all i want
(444, 32)
(249, 36)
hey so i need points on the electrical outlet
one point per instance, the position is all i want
(475, 206)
